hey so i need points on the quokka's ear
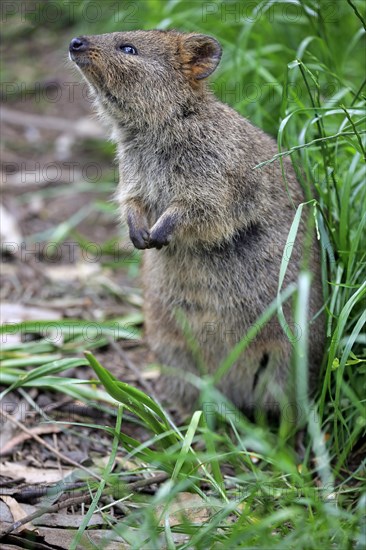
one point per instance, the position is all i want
(200, 55)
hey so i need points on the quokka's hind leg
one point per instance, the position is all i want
(261, 381)
(174, 384)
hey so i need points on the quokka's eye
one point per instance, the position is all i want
(127, 48)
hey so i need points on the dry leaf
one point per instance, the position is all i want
(17, 512)
(11, 236)
(79, 271)
(39, 430)
(16, 313)
(16, 470)
(188, 505)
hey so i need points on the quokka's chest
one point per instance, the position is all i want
(149, 180)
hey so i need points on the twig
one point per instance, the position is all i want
(78, 500)
(160, 478)
(20, 438)
(50, 510)
(83, 127)
(28, 493)
(49, 447)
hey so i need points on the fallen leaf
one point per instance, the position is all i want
(16, 313)
(187, 505)
(78, 271)
(16, 470)
(10, 234)
(39, 430)
(17, 512)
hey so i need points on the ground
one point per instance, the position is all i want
(138, 475)
(57, 166)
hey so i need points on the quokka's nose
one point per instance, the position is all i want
(79, 44)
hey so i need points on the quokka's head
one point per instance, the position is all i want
(151, 74)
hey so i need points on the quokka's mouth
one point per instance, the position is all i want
(80, 60)
(89, 70)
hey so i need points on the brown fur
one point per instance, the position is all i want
(214, 227)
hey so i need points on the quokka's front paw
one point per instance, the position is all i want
(138, 228)
(139, 236)
(158, 239)
(162, 232)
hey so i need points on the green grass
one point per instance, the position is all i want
(296, 70)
